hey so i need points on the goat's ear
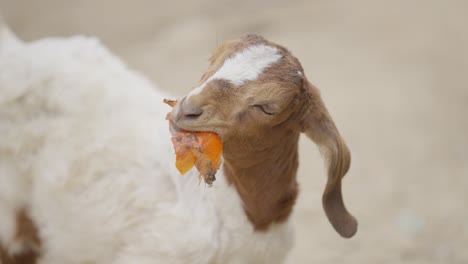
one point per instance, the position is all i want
(319, 126)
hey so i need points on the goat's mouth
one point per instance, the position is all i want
(173, 128)
(176, 127)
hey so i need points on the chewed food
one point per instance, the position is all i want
(200, 149)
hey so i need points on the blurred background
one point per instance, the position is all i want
(392, 73)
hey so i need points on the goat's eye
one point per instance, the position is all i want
(264, 108)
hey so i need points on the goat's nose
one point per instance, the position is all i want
(189, 110)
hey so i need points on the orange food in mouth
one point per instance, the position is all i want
(200, 149)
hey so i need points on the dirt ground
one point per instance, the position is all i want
(393, 74)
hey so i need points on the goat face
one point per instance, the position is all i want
(255, 94)
(252, 88)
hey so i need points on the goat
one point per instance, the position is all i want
(86, 162)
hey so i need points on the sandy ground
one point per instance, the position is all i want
(393, 74)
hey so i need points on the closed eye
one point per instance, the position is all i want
(264, 109)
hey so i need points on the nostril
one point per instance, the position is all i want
(193, 114)
(189, 111)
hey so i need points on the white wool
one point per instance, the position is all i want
(85, 146)
(244, 66)
(7, 39)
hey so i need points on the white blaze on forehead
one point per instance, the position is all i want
(245, 65)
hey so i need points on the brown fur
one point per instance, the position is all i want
(264, 179)
(27, 233)
(261, 149)
(319, 126)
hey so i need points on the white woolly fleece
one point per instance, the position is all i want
(84, 145)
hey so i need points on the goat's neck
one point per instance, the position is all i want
(264, 174)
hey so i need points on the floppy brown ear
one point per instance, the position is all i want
(319, 126)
